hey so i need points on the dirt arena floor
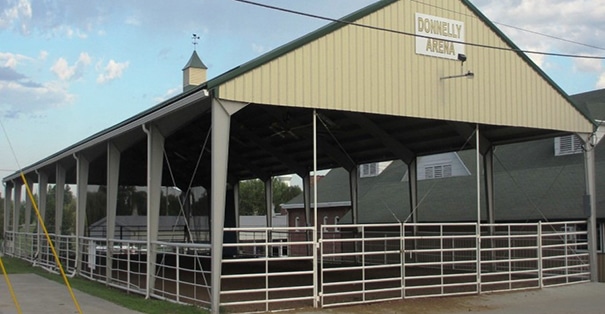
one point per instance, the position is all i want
(577, 298)
(51, 297)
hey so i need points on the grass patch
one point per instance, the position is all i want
(130, 301)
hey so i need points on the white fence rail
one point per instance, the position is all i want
(267, 269)
(369, 263)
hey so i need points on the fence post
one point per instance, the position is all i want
(478, 244)
(178, 274)
(540, 275)
(402, 257)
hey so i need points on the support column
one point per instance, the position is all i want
(155, 163)
(413, 189)
(81, 194)
(236, 200)
(221, 120)
(42, 192)
(17, 208)
(269, 201)
(589, 162)
(354, 189)
(113, 176)
(488, 168)
(8, 194)
(307, 199)
(59, 198)
(269, 212)
(28, 208)
(478, 230)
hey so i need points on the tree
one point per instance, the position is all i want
(252, 196)
(69, 210)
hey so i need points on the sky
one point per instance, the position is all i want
(71, 68)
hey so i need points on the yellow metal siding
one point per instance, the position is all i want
(367, 70)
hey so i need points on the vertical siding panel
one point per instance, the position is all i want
(296, 92)
(368, 70)
(290, 62)
(347, 43)
(337, 90)
(395, 80)
(316, 67)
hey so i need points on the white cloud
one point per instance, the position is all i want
(601, 82)
(66, 72)
(11, 60)
(570, 20)
(169, 93)
(43, 55)
(28, 98)
(19, 12)
(112, 71)
(588, 65)
(258, 48)
(132, 20)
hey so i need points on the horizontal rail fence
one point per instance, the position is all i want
(128, 267)
(360, 263)
(183, 273)
(368, 263)
(266, 269)
(35, 248)
(564, 253)
(441, 259)
(510, 257)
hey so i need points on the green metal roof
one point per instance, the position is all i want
(195, 62)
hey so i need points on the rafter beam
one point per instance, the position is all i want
(265, 145)
(466, 130)
(393, 145)
(337, 155)
(328, 149)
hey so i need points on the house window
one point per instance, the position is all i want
(438, 171)
(297, 222)
(368, 170)
(325, 222)
(568, 145)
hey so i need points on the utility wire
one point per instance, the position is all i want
(315, 16)
(512, 26)
(41, 222)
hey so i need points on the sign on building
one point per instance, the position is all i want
(439, 37)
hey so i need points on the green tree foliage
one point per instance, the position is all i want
(69, 211)
(252, 196)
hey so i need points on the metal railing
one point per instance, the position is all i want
(262, 276)
(267, 269)
(369, 263)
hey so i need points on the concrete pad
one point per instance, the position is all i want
(37, 294)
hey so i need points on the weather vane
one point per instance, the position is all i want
(194, 39)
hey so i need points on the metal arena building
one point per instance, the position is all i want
(393, 81)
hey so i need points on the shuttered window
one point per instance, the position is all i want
(368, 170)
(438, 171)
(567, 145)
